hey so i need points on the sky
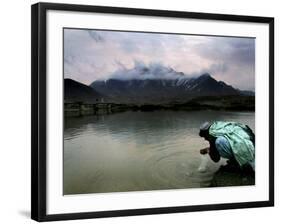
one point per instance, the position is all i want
(91, 55)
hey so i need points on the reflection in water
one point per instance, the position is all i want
(134, 151)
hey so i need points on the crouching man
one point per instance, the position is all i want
(230, 140)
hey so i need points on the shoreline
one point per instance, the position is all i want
(216, 103)
(78, 109)
(232, 175)
(226, 103)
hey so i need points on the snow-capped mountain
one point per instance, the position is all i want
(158, 84)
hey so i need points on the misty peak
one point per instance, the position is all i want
(206, 75)
(140, 71)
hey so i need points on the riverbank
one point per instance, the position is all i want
(226, 103)
(229, 176)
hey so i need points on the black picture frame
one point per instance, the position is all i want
(39, 122)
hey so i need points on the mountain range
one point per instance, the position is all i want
(156, 91)
(152, 84)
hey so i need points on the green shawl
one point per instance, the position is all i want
(238, 138)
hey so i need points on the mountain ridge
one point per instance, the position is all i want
(77, 92)
(158, 90)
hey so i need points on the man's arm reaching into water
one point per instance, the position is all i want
(204, 151)
(213, 153)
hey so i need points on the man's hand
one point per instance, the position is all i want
(204, 151)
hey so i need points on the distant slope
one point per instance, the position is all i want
(77, 92)
(247, 93)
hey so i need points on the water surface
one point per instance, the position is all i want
(135, 151)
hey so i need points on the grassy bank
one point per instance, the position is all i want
(227, 103)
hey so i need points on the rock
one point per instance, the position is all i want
(229, 176)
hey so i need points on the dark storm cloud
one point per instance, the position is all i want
(240, 50)
(96, 36)
(233, 59)
(91, 55)
(244, 50)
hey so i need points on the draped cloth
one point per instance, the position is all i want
(239, 139)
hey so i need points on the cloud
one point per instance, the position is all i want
(220, 67)
(96, 36)
(94, 54)
(141, 71)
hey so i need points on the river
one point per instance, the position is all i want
(136, 151)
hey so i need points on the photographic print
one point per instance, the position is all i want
(145, 111)
(157, 111)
